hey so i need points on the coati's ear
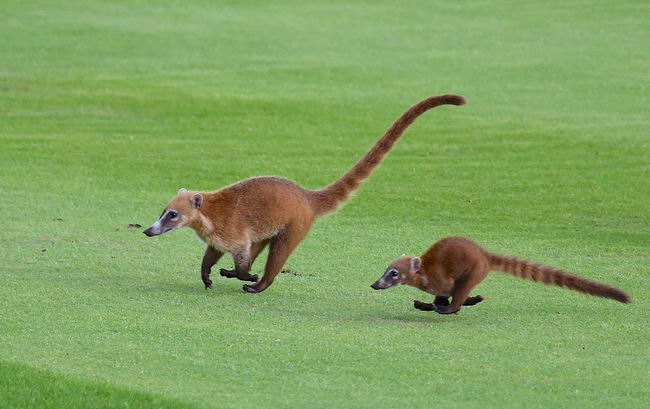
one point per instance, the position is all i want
(416, 264)
(196, 200)
(181, 191)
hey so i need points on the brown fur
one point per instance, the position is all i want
(453, 266)
(242, 219)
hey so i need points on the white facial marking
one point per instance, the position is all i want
(155, 228)
(159, 228)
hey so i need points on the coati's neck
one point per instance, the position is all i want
(419, 281)
(202, 226)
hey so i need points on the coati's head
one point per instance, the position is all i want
(179, 212)
(400, 271)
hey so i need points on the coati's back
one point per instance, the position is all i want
(454, 256)
(264, 203)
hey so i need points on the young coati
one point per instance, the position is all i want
(242, 219)
(454, 265)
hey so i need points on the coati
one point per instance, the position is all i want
(453, 266)
(244, 218)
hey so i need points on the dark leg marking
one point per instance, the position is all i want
(244, 268)
(281, 248)
(423, 306)
(210, 258)
(473, 300)
(458, 297)
(441, 301)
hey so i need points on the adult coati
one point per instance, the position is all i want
(242, 219)
(453, 266)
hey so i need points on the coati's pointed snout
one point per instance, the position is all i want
(149, 232)
(159, 228)
(173, 217)
(156, 229)
(381, 284)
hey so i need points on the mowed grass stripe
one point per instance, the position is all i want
(24, 387)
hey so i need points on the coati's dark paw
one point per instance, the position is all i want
(444, 310)
(255, 288)
(474, 300)
(232, 274)
(207, 283)
(250, 288)
(422, 306)
(251, 277)
(227, 273)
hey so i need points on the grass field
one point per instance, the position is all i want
(107, 108)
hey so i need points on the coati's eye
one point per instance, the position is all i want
(172, 214)
(394, 273)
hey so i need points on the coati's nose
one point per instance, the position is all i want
(148, 232)
(375, 285)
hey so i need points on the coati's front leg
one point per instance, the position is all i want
(423, 306)
(255, 250)
(210, 258)
(242, 267)
(473, 300)
(441, 301)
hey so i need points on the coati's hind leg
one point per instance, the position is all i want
(243, 274)
(282, 245)
(210, 258)
(473, 300)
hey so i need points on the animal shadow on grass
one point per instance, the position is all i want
(399, 317)
(187, 287)
(223, 289)
(390, 312)
(194, 287)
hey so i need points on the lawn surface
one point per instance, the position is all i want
(108, 108)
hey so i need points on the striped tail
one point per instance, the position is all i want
(549, 275)
(330, 197)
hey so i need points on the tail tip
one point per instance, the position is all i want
(454, 99)
(623, 297)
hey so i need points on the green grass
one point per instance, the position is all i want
(108, 108)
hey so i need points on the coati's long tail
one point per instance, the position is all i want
(329, 198)
(549, 275)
